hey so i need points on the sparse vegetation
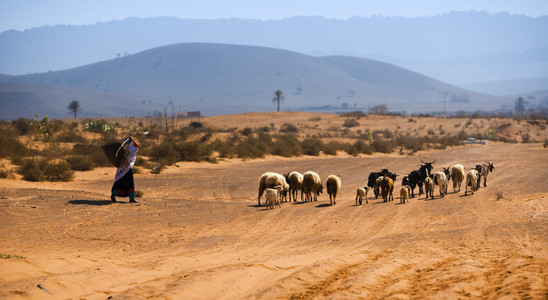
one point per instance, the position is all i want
(52, 150)
(11, 256)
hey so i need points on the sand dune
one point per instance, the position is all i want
(198, 233)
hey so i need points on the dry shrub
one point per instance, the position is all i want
(251, 147)
(288, 128)
(80, 163)
(164, 153)
(10, 147)
(193, 151)
(31, 171)
(312, 146)
(58, 171)
(286, 145)
(350, 123)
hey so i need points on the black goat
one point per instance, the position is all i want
(417, 177)
(372, 180)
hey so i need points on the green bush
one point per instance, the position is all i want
(99, 126)
(80, 163)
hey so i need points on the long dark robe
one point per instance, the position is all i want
(124, 185)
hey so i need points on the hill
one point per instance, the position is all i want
(222, 79)
(457, 47)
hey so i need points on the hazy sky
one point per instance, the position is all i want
(25, 14)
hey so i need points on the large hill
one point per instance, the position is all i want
(220, 79)
(458, 47)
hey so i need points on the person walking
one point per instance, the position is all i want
(124, 185)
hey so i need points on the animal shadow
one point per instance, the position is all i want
(323, 205)
(91, 202)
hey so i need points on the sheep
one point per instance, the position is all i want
(361, 193)
(333, 184)
(457, 175)
(270, 180)
(272, 196)
(295, 181)
(429, 187)
(404, 194)
(441, 180)
(312, 186)
(483, 170)
(472, 181)
(387, 189)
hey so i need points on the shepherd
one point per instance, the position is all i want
(124, 158)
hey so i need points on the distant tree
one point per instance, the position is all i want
(74, 107)
(520, 105)
(278, 98)
(380, 109)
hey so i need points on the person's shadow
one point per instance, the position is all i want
(92, 202)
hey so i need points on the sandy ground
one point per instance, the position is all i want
(198, 233)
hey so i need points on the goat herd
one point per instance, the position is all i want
(280, 188)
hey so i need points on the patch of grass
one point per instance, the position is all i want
(10, 256)
(499, 195)
(139, 193)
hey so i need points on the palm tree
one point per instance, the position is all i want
(278, 98)
(74, 107)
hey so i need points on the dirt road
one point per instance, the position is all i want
(198, 233)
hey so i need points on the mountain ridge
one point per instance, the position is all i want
(220, 78)
(436, 39)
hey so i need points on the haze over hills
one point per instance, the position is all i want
(458, 47)
(221, 79)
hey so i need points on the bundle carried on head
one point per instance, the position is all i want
(115, 152)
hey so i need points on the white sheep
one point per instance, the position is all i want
(333, 185)
(429, 187)
(295, 181)
(404, 194)
(312, 186)
(270, 180)
(272, 197)
(457, 175)
(361, 193)
(472, 181)
(441, 180)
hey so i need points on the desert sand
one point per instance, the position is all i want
(199, 233)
